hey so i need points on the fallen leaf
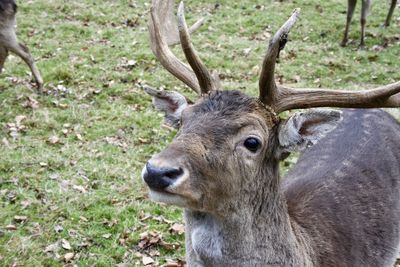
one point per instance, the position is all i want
(144, 140)
(147, 260)
(19, 119)
(53, 139)
(5, 142)
(58, 228)
(106, 236)
(26, 203)
(246, 51)
(79, 188)
(79, 137)
(174, 263)
(11, 227)
(177, 228)
(69, 256)
(51, 247)
(20, 219)
(169, 246)
(65, 244)
(31, 103)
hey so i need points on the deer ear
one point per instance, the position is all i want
(169, 102)
(304, 129)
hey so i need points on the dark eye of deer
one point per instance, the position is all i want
(252, 144)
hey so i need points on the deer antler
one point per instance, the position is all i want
(283, 98)
(165, 10)
(267, 86)
(162, 33)
(204, 77)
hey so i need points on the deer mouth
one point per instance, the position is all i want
(166, 197)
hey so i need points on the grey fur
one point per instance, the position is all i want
(339, 206)
(9, 41)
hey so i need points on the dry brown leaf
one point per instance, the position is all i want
(31, 103)
(26, 203)
(51, 248)
(174, 263)
(79, 188)
(58, 228)
(11, 227)
(79, 137)
(19, 119)
(144, 140)
(144, 235)
(106, 236)
(177, 228)
(169, 246)
(147, 260)
(19, 219)
(53, 139)
(5, 142)
(65, 244)
(69, 256)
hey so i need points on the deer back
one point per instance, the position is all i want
(346, 188)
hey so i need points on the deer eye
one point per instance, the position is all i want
(252, 144)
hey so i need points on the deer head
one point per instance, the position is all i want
(228, 146)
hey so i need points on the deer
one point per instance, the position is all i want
(338, 206)
(9, 41)
(351, 5)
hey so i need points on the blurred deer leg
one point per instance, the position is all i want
(350, 11)
(389, 16)
(3, 56)
(23, 52)
(364, 13)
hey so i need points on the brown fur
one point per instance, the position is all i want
(340, 205)
(9, 41)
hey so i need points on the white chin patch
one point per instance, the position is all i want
(167, 198)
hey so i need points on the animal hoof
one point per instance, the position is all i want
(362, 47)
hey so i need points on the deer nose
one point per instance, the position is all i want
(159, 178)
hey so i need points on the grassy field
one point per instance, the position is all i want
(70, 159)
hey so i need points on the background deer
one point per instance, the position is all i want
(364, 11)
(340, 204)
(9, 41)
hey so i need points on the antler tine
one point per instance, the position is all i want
(282, 98)
(204, 77)
(267, 85)
(161, 50)
(193, 28)
(385, 96)
(170, 26)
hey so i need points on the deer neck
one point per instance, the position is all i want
(257, 231)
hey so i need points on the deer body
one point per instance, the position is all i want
(339, 206)
(9, 41)
(332, 209)
(345, 192)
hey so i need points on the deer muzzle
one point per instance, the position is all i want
(160, 178)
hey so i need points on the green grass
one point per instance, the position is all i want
(86, 187)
